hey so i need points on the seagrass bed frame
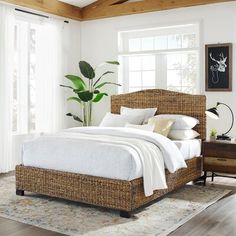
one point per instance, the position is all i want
(125, 196)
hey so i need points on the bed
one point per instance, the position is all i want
(123, 195)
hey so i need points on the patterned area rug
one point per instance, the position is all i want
(76, 219)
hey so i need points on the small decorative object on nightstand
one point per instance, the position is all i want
(219, 156)
(213, 135)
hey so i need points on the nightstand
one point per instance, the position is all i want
(219, 156)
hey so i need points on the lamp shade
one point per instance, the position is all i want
(212, 113)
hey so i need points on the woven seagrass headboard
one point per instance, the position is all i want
(167, 102)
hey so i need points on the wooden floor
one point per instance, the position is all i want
(218, 220)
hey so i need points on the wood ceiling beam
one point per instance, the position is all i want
(102, 3)
(107, 8)
(113, 2)
(118, 2)
(50, 6)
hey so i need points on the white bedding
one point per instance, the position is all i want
(189, 148)
(117, 153)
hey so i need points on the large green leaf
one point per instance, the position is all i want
(113, 62)
(99, 97)
(86, 70)
(77, 81)
(96, 91)
(85, 96)
(108, 72)
(74, 99)
(105, 83)
(77, 91)
(65, 86)
(75, 117)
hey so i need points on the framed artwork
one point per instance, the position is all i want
(219, 67)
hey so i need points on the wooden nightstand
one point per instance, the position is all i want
(219, 156)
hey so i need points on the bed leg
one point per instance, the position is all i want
(125, 214)
(20, 192)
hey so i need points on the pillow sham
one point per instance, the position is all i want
(115, 120)
(146, 127)
(161, 126)
(183, 134)
(146, 112)
(181, 121)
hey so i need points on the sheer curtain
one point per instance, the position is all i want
(50, 100)
(50, 63)
(6, 77)
(51, 68)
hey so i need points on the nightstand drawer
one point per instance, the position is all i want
(219, 149)
(220, 164)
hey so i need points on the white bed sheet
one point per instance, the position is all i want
(189, 148)
(63, 152)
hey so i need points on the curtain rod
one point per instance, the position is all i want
(36, 14)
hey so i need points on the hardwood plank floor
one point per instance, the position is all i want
(217, 220)
(13, 228)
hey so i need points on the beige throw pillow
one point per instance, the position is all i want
(162, 126)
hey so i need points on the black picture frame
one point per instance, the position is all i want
(218, 67)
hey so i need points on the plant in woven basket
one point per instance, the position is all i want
(88, 89)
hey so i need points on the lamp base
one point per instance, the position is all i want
(223, 137)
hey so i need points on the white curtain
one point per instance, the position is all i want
(51, 68)
(51, 59)
(6, 78)
(51, 64)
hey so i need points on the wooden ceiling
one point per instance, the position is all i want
(50, 6)
(107, 8)
(110, 8)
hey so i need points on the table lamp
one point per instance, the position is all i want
(213, 113)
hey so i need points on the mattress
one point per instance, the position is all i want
(64, 154)
(189, 148)
(95, 159)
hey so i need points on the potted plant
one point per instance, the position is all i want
(213, 135)
(88, 92)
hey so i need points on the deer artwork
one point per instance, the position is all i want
(219, 67)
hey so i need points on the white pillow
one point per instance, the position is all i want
(115, 120)
(146, 112)
(181, 121)
(146, 127)
(183, 134)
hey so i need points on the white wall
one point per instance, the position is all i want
(218, 21)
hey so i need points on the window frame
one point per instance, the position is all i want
(161, 67)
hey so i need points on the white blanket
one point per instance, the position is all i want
(93, 142)
(173, 158)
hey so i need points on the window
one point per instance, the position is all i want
(141, 72)
(165, 57)
(24, 81)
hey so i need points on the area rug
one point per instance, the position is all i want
(70, 218)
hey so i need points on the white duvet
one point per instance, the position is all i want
(118, 153)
